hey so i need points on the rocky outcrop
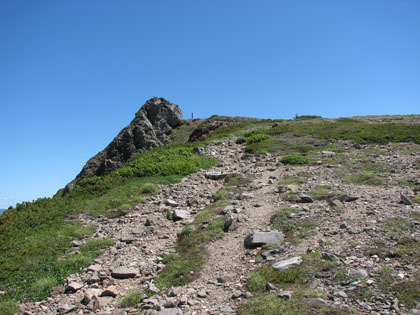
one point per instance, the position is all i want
(149, 129)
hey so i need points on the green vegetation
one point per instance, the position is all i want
(257, 138)
(35, 238)
(408, 292)
(184, 266)
(295, 279)
(294, 228)
(294, 160)
(306, 117)
(271, 304)
(365, 178)
(131, 299)
(8, 308)
(416, 199)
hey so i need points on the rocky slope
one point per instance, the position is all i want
(356, 229)
(149, 129)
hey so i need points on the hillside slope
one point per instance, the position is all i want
(340, 198)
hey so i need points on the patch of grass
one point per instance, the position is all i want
(131, 299)
(236, 180)
(8, 308)
(320, 191)
(294, 160)
(184, 266)
(256, 138)
(294, 228)
(307, 117)
(222, 194)
(257, 282)
(416, 199)
(385, 278)
(408, 292)
(270, 304)
(148, 189)
(366, 178)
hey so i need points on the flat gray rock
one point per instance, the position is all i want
(215, 175)
(124, 273)
(358, 273)
(180, 215)
(257, 238)
(73, 287)
(288, 263)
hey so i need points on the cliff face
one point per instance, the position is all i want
(149, 129)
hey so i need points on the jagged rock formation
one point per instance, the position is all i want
(149, 129)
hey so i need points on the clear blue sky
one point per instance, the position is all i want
(74, 72)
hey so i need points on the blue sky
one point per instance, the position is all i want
(73, 73)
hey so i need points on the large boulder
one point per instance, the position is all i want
(149, 129)
(258, 238)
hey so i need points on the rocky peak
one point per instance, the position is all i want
(149, 129)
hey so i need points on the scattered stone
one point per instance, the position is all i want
(170, 311)
(329, 256)
(200, 151)
(73, 287)
(288, 263)
(215, 175)
(358, 273)
(271, 287)
(285, 294)
(336, 203)
(227, 309)
(171, 203)
(270, 254)
(245, 195)
(315, 301)
(404, 200)
(180, 215)
(192, 202)
(104, 301)
(127, 239)
(110, 291)
(66, 308)
(153, 288)
(236, 294)
(303, 198)
(124, 273)
(230, 223)
(258, 238)
(150, 221)
(328, 153)
(94, 268)
(346, 198)
(342, 294)
(202, 294)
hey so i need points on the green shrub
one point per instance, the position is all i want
(256, 282)
(417, 199)
(131, 299)
(306, 117)
(366, 178)
(257, 138)
(149, 189)
(8, 308)
(294, 160)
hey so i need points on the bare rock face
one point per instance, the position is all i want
(149, 129)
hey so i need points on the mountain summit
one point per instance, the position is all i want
(149, 129)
